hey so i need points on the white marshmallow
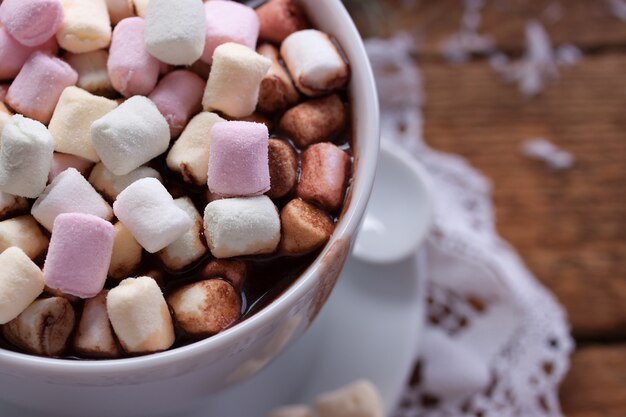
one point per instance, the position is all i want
(359, 399)
(91, 68)
(189, 247)
(241, 226)
(120, 9)
(11, 205)
(86, 26)
(140, 316)
(69, 193)
(314, 62)
(130, 135)
(26, 149)
(141, 7)
(175, 30)
(94, 335)
(70, 125)
(127, 253)
(23, 232)
(292, 411)
(148, 211)
(235, 80)
(21, 282)
(111, 185)
(190, 154)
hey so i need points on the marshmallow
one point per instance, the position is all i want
(31, 22)
(79, 254)
(175, 30)
(279, 19)
(188, 248)
(10, 205)
(232, 270)
(25, 157)
(292, 411)
(94, 335)
(205, 308)
(140, 316)
(131, 135)
(283, 165)
(62, 161)
(86, 26)
(5, 117)
(70, 125)
(13, 54)
(235, 79)
(238, 161)
(314, 62)
(277, 90)
(228, 21)
(127, 253)
(241, 226)
(149, 212)
(257, 117)
(69, 193)
(132, 70)
(325, 169)
(111, 185)
(21, 282)
(120, 9)
(359, 399)
(43, 328)
(305, 227)
(314, 121)
(141, 7)
(92, 71)
(178, 97)
(23, 232)
(190, 154)
(37, 88)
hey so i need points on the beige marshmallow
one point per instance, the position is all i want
(94, 335)
(70, 125)
(91, 68)
(127, 253)
(5, 117)
(190, 154)
(314, 62)
(23, 232)
(86, 26)
(277, 89)
(292, 411)
(305, 227)
(111, 185)
(120, 9)
(359, 399)
(21, 282)
(205, 308)
(235, 80)
(10, 205)
(189, 247)
(43, 328)
(141, 7)
(140, 316)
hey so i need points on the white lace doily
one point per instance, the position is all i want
(497, 342)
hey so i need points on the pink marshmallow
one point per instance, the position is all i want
(63, 161)
(79, 254)
(228, 21)
(178, 97)
(13, 54)
(31, 22)
(37, 88)
(238, 162)
(132, 70)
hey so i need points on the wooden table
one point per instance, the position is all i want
(570, 227)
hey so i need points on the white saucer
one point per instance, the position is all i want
(369, 328)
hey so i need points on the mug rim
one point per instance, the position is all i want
(363, 178)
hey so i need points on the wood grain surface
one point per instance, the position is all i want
(570, 227)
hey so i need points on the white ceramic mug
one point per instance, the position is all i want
(177, 380)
